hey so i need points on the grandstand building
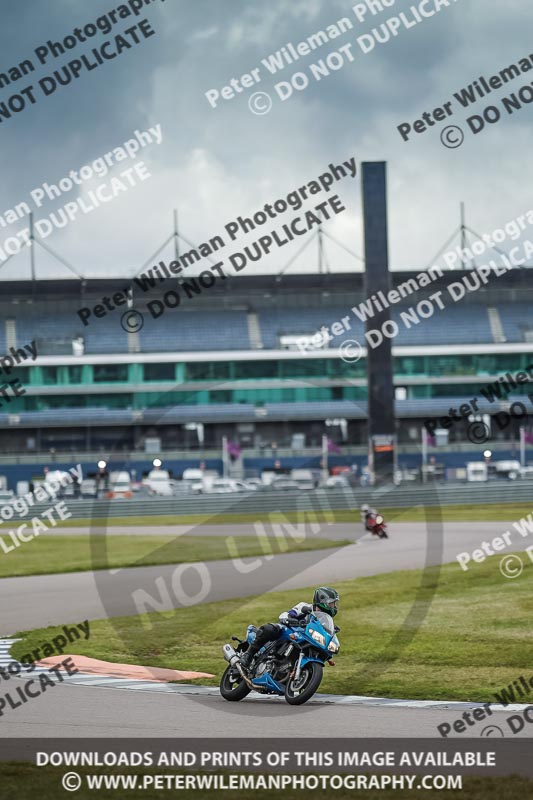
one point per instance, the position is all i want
(227, 360)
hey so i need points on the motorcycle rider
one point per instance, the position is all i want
(368, 513)
(324, 599)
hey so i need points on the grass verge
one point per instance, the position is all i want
(475, 638)
(497, 512)
(54, 554)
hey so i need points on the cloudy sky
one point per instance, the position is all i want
(216, 164)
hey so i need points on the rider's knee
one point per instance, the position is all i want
(268, 632)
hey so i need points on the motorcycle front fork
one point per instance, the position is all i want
(295, 674)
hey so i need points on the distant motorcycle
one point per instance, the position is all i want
(378, 526)
(291, 666)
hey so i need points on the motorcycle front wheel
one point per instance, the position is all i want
(297, 693)
(233, 687)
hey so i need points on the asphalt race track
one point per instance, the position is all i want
(36, 601)
(78, 711)
(92, 710)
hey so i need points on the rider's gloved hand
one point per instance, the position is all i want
(292, 618)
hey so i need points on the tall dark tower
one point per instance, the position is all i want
(381, 427)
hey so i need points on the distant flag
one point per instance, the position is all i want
(234, 450)
(431, 441)
(332, 447)
(528, 437)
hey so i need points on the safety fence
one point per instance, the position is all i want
(320, 500)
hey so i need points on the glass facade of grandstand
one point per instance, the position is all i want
(130, 376)
(192, 383)
(232, 363)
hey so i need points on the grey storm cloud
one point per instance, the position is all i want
(214, 164)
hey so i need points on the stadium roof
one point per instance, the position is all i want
(243, 285)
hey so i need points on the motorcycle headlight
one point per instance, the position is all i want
(318, 638)
(333, 648)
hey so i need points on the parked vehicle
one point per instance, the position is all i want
(291, 666)
(229, 486)
(119, 485)
(89, 488)
(66, 489)
(285, 484)
(477, 471)
(158, 482)
(181, 488)
(199, 480)
(242, 486)
(304, 478)
(192, 475)
(254, 484)
(337, 482)
(506, 469)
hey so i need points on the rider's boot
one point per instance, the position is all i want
(248, 656)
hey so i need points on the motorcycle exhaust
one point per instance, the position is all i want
(230, 655)
(233, 659)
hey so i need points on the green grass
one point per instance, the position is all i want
(475, 638)
(498, 512)
(54, 554)
(26, 782)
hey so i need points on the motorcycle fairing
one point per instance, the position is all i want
(266, 681)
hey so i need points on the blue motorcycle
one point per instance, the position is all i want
(292, 666)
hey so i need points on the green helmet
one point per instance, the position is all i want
(327, 600)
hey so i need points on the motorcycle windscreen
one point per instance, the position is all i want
(326, 621)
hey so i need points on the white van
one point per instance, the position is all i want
(304, 478)
(120, 485)
(158, 482)
(477, 471)
(507, 469)
(67, 488)
(199, 481)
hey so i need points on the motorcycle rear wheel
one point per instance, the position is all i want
(233, 687)
(310, 680)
